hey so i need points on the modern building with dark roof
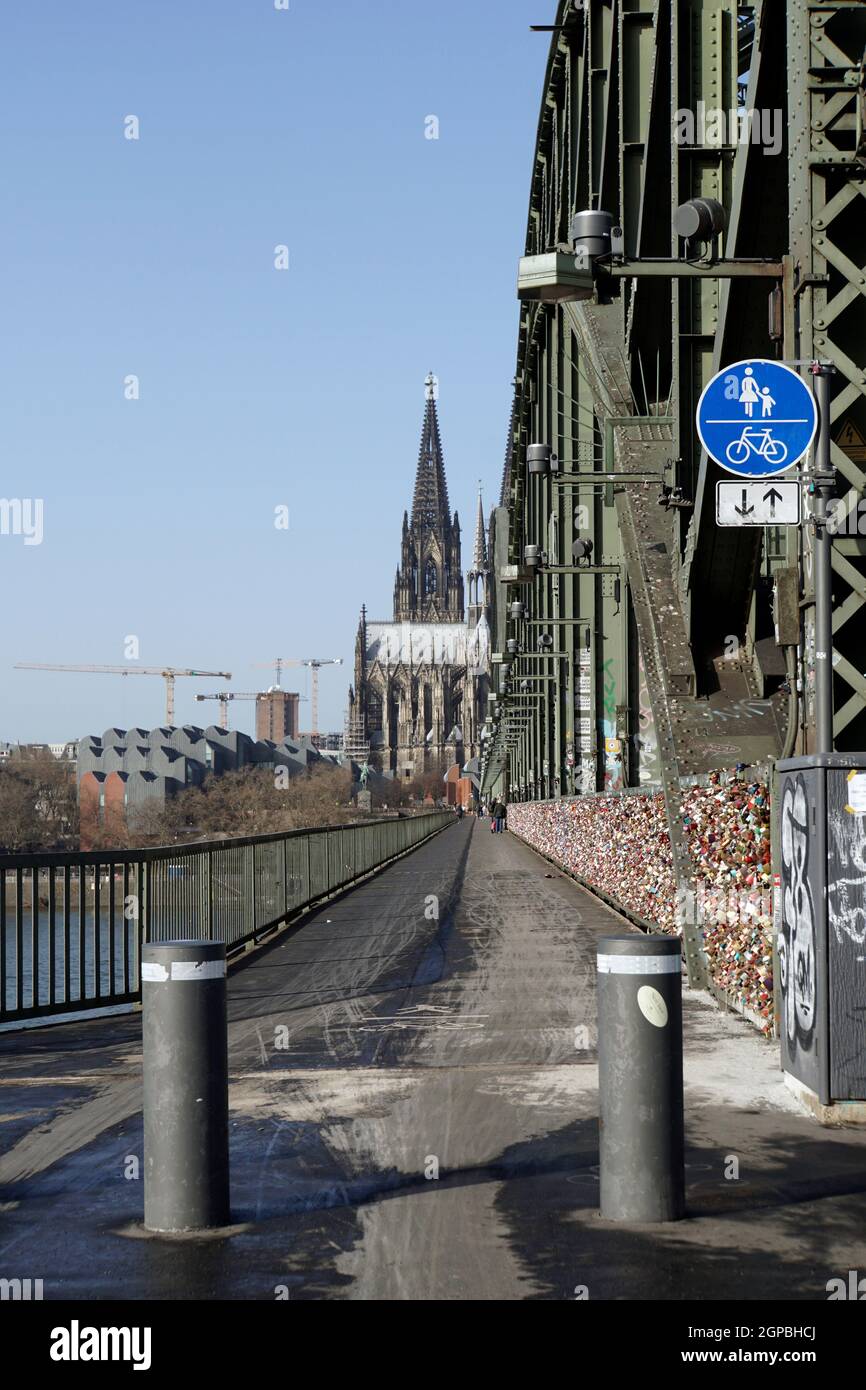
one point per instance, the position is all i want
(123, 771)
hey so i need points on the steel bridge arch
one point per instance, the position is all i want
(675, 613)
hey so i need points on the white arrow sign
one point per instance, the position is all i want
(758, 504)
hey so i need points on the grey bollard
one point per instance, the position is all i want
(186, 1159)
(640, 1078)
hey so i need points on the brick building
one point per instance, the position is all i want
(277, 714)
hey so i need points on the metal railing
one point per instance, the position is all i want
(72, 925)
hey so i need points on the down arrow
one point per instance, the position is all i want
(744, 510)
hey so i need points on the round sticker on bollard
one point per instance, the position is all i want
(652, 1006)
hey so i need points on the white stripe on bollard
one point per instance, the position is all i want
(155, 974)
(639, 965)
(198, 969)
(184, 970)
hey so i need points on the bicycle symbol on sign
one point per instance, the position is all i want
(756, 441)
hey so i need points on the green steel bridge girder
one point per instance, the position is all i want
(612, 386)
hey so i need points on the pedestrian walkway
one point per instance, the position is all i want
(413, 1105)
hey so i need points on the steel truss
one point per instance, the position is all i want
(673, 667)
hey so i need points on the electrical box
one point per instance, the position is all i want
(821, 922)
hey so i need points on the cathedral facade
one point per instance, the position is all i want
(422, 678)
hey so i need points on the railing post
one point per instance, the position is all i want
(210, 913)
(252, 897)
(146, 904)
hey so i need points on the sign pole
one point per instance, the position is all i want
(822, 488)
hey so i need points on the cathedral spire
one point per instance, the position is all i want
(430, 502)
(429, 585)
(479, 575)
(479, 554)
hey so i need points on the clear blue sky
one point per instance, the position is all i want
(257, 387)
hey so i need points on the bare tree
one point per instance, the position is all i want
(38, 807)
(252, 801)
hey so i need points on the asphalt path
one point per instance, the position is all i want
(413, 1113)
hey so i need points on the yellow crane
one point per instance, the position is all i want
(168, 673)
(314, 662)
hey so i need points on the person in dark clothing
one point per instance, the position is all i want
(498, 817)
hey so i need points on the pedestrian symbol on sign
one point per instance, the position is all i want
(756, 418)
(751, 393)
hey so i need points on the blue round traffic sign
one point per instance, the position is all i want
(756, 417)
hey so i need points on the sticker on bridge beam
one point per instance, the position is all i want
(856, 804)
(756, 418)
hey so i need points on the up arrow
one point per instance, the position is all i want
(744, 510)
(772, 497)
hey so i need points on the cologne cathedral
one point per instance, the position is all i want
(422, 678)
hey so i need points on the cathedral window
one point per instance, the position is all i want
(431, 579)
(374, 712)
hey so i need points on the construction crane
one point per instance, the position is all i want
(314, 662)
(168, 673)
(225, 695)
